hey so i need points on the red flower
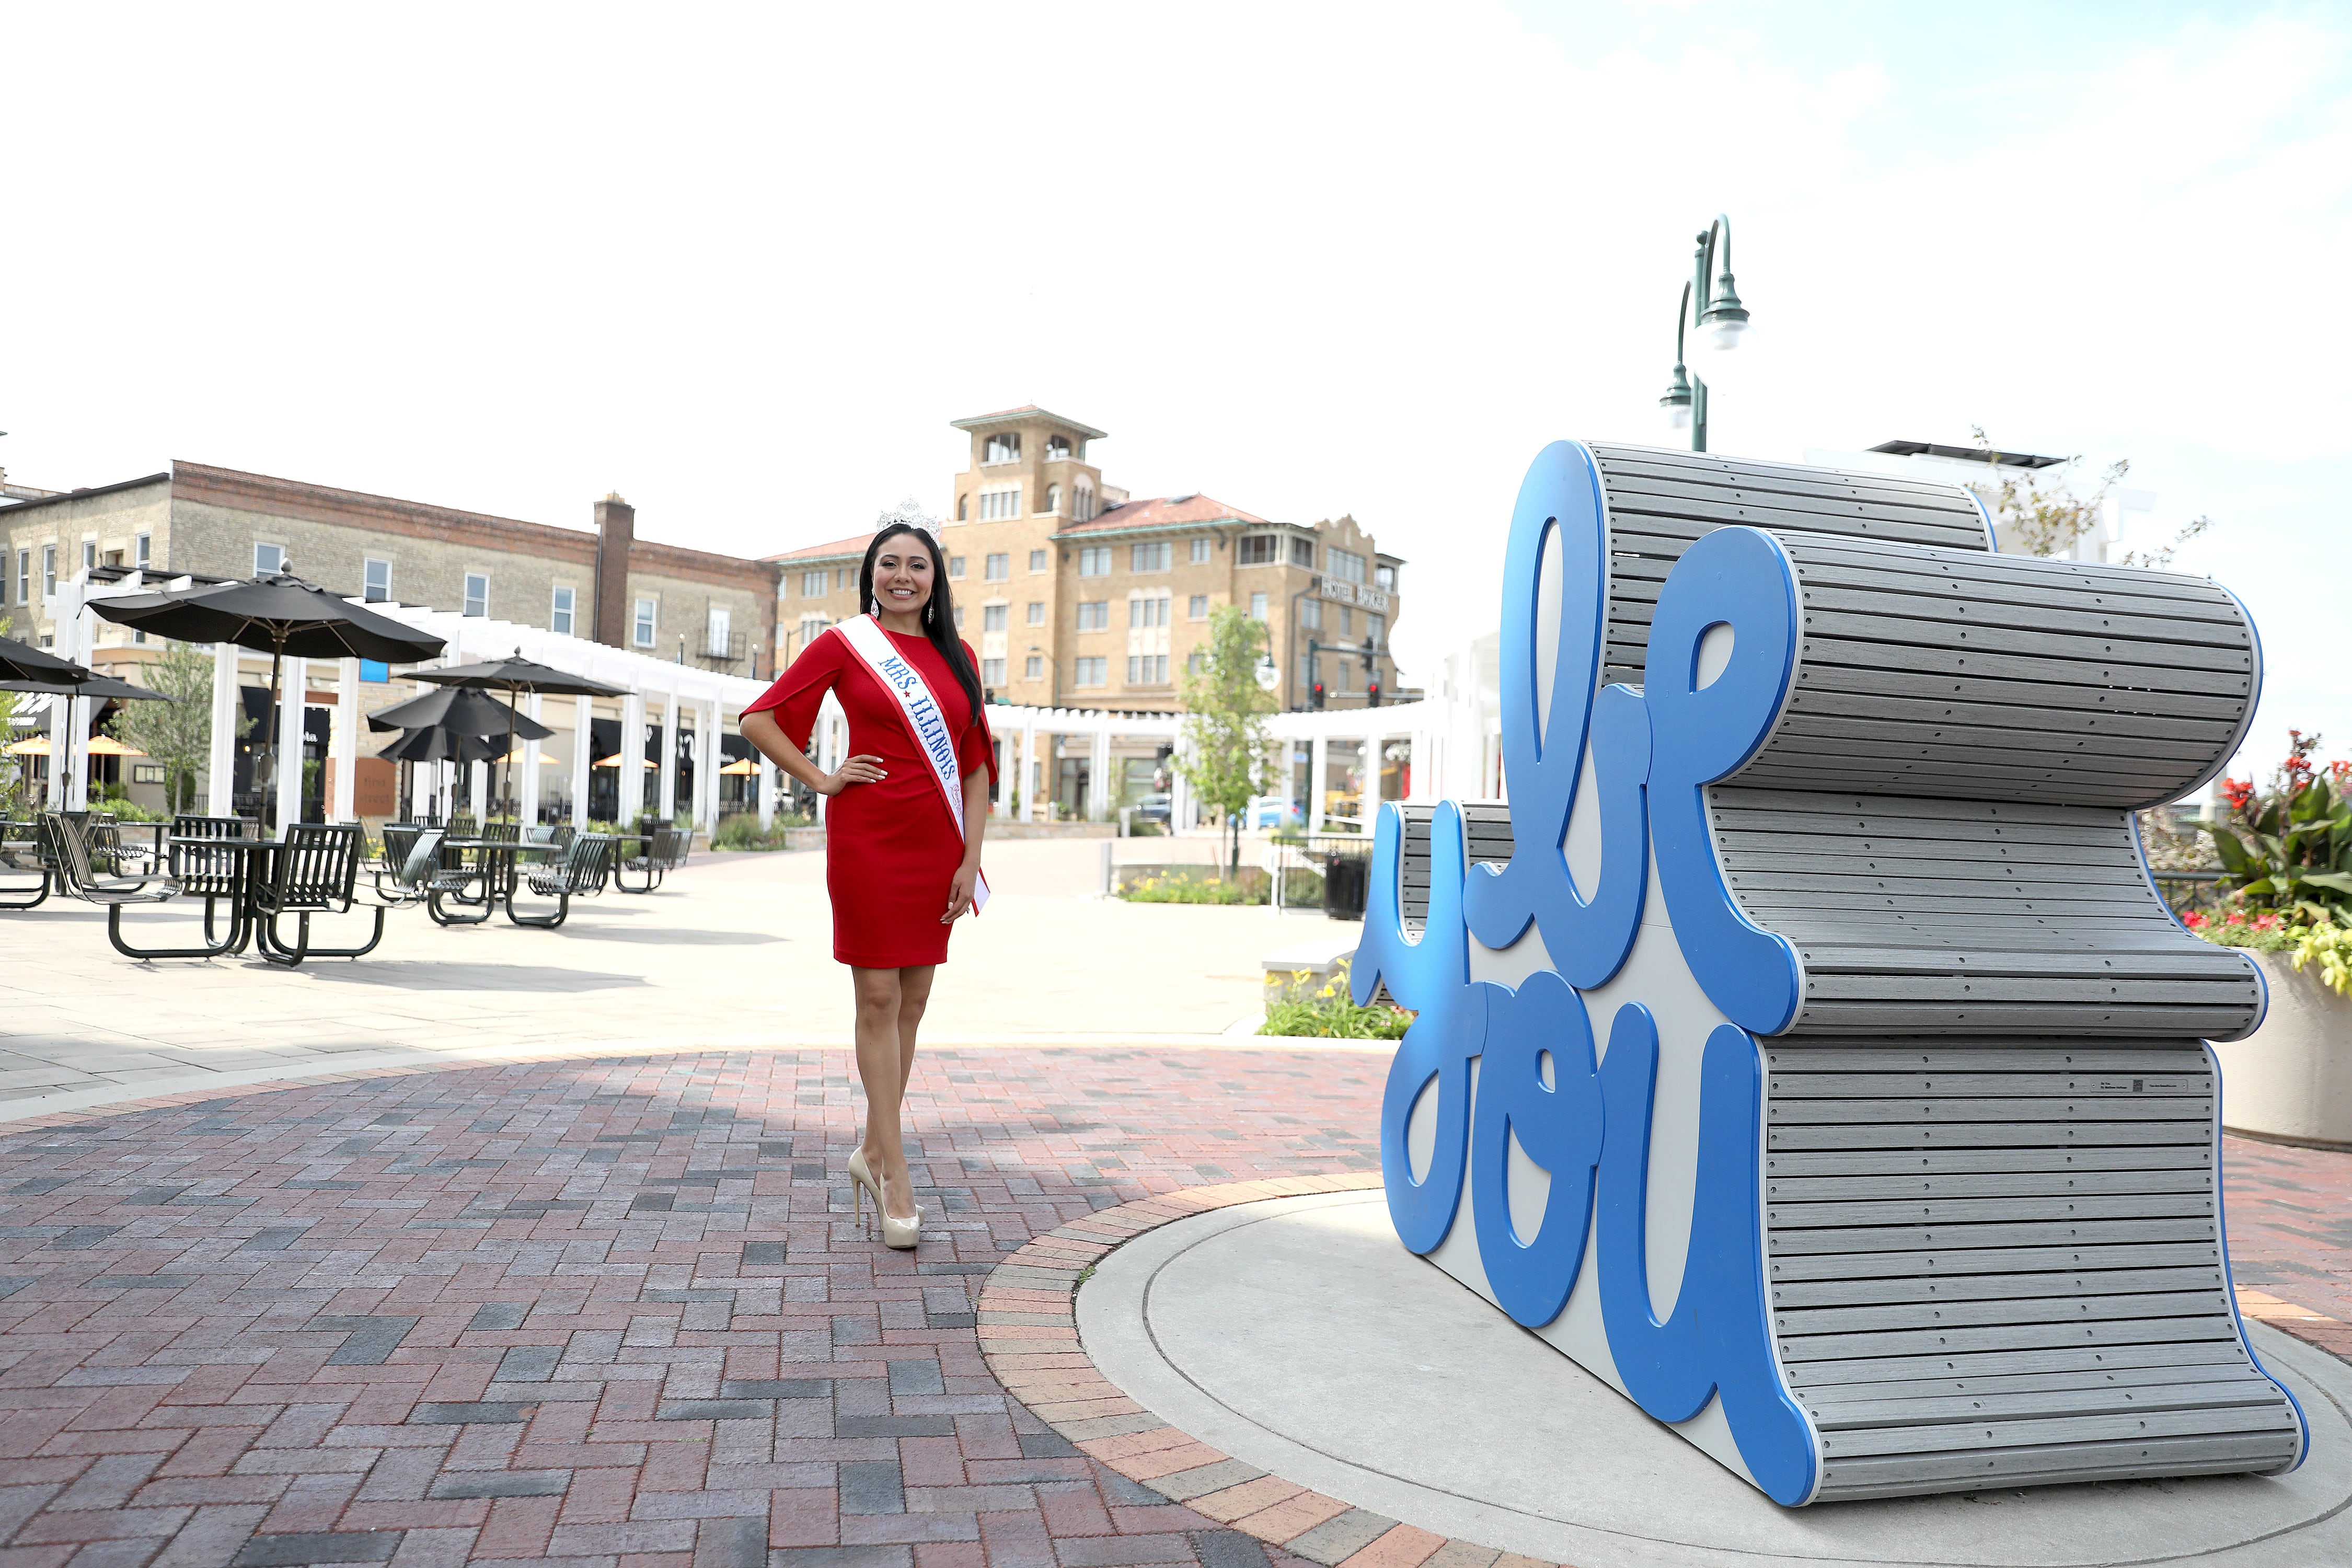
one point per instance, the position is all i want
(2193, 921)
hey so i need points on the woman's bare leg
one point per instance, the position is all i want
(914, 996)
(882, 1072)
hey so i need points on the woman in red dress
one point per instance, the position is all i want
(898, 872)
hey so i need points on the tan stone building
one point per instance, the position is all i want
(603, 583)
(1075, 595)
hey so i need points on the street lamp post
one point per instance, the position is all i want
(1715, 308)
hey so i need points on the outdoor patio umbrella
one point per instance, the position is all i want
(461, 710)
(279, 612)
(21, 663)
(516, 676)
(436, 743)
(56, 677)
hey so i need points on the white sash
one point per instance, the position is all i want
(924, 721)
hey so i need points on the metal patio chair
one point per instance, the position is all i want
(579, 875)
(21, 856)
(68, 855)
(315, 872)
(659, 856)
(199, 871)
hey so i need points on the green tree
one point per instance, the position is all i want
(1224, 720)
(177, 735)
(16, 798)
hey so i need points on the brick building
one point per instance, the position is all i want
(1075, 595)
(603, 584)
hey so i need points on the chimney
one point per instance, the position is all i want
(617, 530)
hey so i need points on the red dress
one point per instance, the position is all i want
(890, 848)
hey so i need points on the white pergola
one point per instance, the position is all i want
(670, 693)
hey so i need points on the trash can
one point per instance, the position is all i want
(1346, 878)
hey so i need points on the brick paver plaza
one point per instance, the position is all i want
(610, 1309)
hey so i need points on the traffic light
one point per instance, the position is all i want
(1369, 654)
(1315, 695)
(1372, 695)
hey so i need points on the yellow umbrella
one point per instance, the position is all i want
(31, 746)
(745, 769)
(516, 756)
(107, 746)
(614, 761)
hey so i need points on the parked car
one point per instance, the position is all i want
(1269, 813)
(1151, 808)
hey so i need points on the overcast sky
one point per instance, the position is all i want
(744, 265)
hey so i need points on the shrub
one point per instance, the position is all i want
(741, 831)
(2289, 851)
(1330, 1013)
(2257, 932)
(1170, 888)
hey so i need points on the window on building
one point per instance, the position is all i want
(991, 672)
(559, 614)
(1257, 607)
(1302, 553)
(1094, 561)
(141, 551)
(477, 594)
(1378, 626)
(1035, 670)
(88, 553)
(1004, 449)
(267, 558)
(1084, 509)
(1147, 670)
(1384, 579)
(1053, 497)
(955, 566)
(1094, 616)
(1306, 670)
(1200, 549)
(1345, 565)
(1194, 663)
(963, 504)
(644, 637)
(1036, 612)
(1346, 622)
(1057, 448)
(1000, 566)
(375, 581)
(1039, 560)
(1148, 612)
(1090, 671)
(1310, 613)
(23, 577)
(997, 503)
(992, 617)
(813, 584)
(717, 633)
(48, 570)
(1340, 683)
(1154, 557)
(1197, 607)
(958, 617)
(1258, 550)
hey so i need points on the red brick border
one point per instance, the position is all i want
(1029, 1333)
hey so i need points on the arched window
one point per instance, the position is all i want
(1086, 497)
(963, 504)
(1053, 497)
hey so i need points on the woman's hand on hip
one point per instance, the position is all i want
(960, 894)
(861, 768)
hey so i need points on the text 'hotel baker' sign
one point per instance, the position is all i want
(1804, 1049)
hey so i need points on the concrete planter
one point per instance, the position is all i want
(2293, 1079)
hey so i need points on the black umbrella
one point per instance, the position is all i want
(514, 676)
(435, 744)
(460, 710)
(281, 613)
(30, 669)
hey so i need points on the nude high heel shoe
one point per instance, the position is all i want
(901, 1234)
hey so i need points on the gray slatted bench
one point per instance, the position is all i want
(1991, 1196)
(580, 874)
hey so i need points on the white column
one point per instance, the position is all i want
(1319, 757)
(533, 706)
(1179, 792)
(767, 793)
(583, 760)
(667, 797)
(294, 676)
(710, 757)
(1098, 791)
(1028, 764)
(1367, 807)
(478, 791)
(630, 763)
(344, 744)
(220, 766)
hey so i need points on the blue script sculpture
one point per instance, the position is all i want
(1900, 1171)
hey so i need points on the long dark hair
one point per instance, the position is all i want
(939, 611)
